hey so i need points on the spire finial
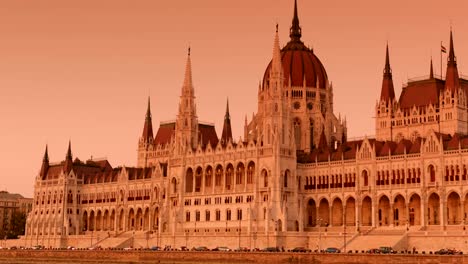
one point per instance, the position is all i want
(295, 32)
(69, 152)
(188, 50)
(452, 59)
(46, 154)
(188, 72)
(227, 108)
(148, 110)
(277, 27)
(387, 70)
(431, 73)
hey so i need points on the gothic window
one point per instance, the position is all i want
(207, 216)
(365, 178)
(265, 178)
(189, 181)
(297, 132)
(239, 214)
(198, 179)
(431, 173)
(229, 175)
(208, 176)
(310, 106)
(228, 214)
(218, 176)
(250, 172)
(297, 105)
(218, 215)
(240, 173)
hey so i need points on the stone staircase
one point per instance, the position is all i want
(121, 240)
(378, 237)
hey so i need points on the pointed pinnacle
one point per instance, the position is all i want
(227, 116)
(46, 154)
(452, 49)
(387, 61)
(431, 73)
(148, 110)
(295, 33)
(69, 153)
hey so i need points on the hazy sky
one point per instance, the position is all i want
(82, 69)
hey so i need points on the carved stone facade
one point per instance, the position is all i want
(293, 173)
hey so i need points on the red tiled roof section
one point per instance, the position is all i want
(164, 134)
(402, 147)
(421, 93)
(207, 134)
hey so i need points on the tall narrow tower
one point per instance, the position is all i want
(385, 106)
(146, 140)
(187, 121)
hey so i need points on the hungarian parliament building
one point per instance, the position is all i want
(293, 179)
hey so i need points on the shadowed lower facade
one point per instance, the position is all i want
(293, 179)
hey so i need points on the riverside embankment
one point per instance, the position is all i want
(108, 256)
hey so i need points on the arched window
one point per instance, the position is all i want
(189, 181)
(265, 178)
(431, 171)
(365, 178)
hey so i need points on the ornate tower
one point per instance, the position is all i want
(226, 136)
(146, 140)
(187, 121)
(453, 106)
(45, 164)
(385, 106)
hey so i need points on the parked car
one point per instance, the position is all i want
(155, 248)
(271, 249)
(202, 248)
(447, 251)
(221, 249)
(386, 250)
(242, 249)
(373, 251)
(332, 250)
(300, 249)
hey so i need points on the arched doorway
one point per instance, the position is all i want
(454, 214)
(415, 210)
(384, 211)
(433, 215)
(350, 213)
(366, 211)
(337, 212)
(324, 212)
(399, 211)
(311, 213)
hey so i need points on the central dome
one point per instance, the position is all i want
(299, 62)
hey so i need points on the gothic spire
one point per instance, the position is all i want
(148, 127)
(276, 63)
(226, 136)
(295, 32)
(45, 164)
(452, 81)
(68, 159)
(387, 93)
(46, 155)
(188, 74)
(69, 152)
(431, 73)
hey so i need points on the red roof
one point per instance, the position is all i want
(206, 133)
(421, 93)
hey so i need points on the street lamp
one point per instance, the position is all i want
(319, 220)
(344, 229)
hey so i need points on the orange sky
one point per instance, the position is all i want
(82, 69)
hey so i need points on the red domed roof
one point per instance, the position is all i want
(299, 62)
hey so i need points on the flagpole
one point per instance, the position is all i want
(441, 77)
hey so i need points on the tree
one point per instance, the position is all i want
(17, 225)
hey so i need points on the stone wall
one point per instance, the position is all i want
(86, 256)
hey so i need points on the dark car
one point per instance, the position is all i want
(300, 249)
(386, 250)
(332, 250)
(271, 249)
(155, 248)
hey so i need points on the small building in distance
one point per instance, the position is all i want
(10, 204)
